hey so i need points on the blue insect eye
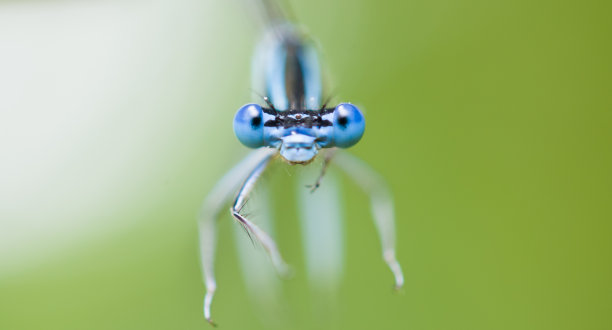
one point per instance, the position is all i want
(248, 125)
(349, 125)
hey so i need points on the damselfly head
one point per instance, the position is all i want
(299, 134)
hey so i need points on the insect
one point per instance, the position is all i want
(294, 124)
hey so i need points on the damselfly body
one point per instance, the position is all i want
(294, 123)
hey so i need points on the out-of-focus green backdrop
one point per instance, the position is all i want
(492, 121)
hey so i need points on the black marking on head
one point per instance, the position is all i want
(298, 118)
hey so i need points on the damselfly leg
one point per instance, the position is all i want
(262, 237)
(381, 204)
(211, 209)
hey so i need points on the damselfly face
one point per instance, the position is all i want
(299, 134)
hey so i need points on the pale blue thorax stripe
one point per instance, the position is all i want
(311, 70)
(275, 76)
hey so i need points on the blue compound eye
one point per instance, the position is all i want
(248, 125)
(349, 125)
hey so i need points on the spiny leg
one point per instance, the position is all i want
(266, 241)
(219, 196)
(326, 161)
(381, 207)
(261, 281)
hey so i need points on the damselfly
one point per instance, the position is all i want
(296, 125)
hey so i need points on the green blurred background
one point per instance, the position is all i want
(490, 119)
